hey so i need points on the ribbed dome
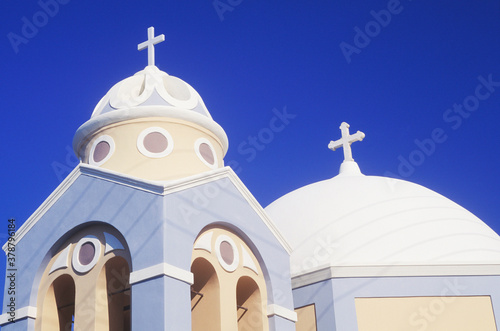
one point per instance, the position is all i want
(357, 220)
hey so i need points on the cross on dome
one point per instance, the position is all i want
(346, 141)
(150, 45)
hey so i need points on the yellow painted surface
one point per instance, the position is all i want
(306, 318)
(452, 313)
(181, 162)
(241, 287)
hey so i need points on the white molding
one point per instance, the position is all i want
(204, 242)
(164, 133)
(77, 265)
(155, 187)
(331, 272)
(197, 145)
(51, 199)
(161, 269)
(277, 310)
(62, 260)
(111, 144)
(236, 254)
(258, 209)
(24, 312)
(247, 260)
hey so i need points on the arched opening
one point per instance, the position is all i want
(205, 297)
(118, 294)
(249, 305)
(59, 305)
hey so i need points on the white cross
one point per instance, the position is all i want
(150, 45)
(346, 141)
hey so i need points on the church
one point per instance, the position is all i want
(152, 232)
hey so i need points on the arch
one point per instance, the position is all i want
(222, 255)
(249, 305)
(59, 305)
(118, 294)
(205, 297)
(97, 260)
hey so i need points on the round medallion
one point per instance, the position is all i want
(227, 253)
(86, 254)
(101, 150)
(206, 152)
(155, 142)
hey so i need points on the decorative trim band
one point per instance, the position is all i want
(162, 269)
(276, 310)
(331, 272)
(24, 312)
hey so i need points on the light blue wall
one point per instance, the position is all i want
(157, 229)
(343, 292)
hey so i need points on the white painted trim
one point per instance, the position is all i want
(276, 310)
(62, 260)
(76, 254)
(46, 205)
(258, 209)
(197, 145)
(204, 242)
(111, 144)
(156, 187)
(162, 269)
(28, 311)
(112, 243)
(331, 272)
(119, 115)
(236, 260)
(247, 260)
(163, 132)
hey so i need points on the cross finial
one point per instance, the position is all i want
(346, 141)
(150, 45)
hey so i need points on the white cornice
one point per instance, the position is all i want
(277, 310)
(155, 187)
(162, 269)
(20, 313)
(331, 272)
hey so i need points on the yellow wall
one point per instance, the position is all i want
(306, 318)
(474, 313)
(181, 162)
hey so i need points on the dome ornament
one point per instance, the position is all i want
(150, 45)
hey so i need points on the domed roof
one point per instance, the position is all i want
(150, 93)
(358, 220)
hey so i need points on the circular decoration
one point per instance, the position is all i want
(101, 150)
(155, 142)
(178, 93)
(206, 152)
(227, 253)
(86, 254)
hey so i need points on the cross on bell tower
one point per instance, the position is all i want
(346, 141)
(150, 45)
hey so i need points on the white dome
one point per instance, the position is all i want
(357, 220)
(151, 87)
(150, 93)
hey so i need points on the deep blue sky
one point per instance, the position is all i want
(259, 56)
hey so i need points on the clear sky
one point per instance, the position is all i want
(420, 78)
